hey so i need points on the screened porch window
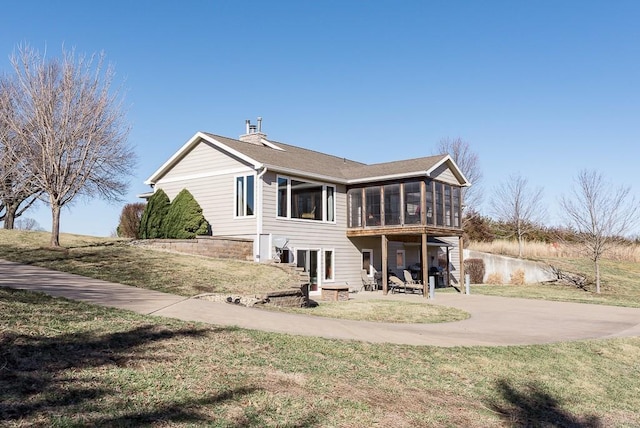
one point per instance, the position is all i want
(372, 201)
(456, 206)
(412, 202)
(429, 203)
(392, 204)
(354, 198)
(439, 204)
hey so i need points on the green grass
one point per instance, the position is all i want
(380, 311)
(66, 363)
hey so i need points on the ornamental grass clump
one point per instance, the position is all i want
(517, 277)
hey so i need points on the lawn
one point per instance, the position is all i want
(66, 363)
(118, 261)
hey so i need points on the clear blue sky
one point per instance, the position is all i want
(539, 88)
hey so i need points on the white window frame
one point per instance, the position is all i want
(319, 264)
(371, 268)
(333, 265)
(324, 199)
(244, 195)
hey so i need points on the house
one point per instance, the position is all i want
(332, 216)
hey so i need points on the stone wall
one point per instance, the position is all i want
(292, 298)
(222, 248)
(534, 272)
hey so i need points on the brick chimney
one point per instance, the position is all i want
(254, 133)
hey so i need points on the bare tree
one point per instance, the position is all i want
(17, 187)
(600, 214)
(519, 207)
(27, 224)
(70, 127)
(469, 163)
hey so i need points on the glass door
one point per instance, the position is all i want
(308, 260)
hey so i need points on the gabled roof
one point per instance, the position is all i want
(295, 160)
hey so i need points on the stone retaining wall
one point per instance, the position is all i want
(210, 246)
(293, 298)
(534, 272)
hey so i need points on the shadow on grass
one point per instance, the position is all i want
(66, 376)
(533, 407)
(33, 375)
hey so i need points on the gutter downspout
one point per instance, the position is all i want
(259, 216)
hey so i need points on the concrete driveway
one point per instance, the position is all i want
(494, 320)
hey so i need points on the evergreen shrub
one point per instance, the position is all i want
(151, 223)
(184, 219)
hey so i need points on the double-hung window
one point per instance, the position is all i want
(245, 195)
(299, 199)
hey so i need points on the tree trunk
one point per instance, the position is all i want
(55, 225)
(10, 215)
(520, 246)
(597, 263)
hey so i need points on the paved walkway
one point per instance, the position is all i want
(493, 321)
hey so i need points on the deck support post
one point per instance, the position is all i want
(423, 265)
(385, 274)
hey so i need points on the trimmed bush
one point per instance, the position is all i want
(184, 219)
(153, 216)
(475, 269)
(129, 225)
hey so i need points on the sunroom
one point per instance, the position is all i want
(409, 215)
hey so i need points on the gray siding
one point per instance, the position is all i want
(210, 177)
(315, 235)
(454, 259)
(444, 173)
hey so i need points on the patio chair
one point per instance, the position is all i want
(395, 284)
(368, 283)
(408, 278)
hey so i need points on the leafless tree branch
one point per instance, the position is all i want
(469, 163)
(71, 128)
(519, 206)
(599, 214)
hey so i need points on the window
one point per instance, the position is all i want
(367, 261)
(245, 195)
(456, 206)
(328, 265)
(439, 205)
(447, 205)
(392, 204)
(412, 202)
(400, 257)
(331, 203)
(283, 197)
(429, 202)
(305, 200)
(372, 201)
(354, 198)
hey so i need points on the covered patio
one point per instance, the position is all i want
(433, 257)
